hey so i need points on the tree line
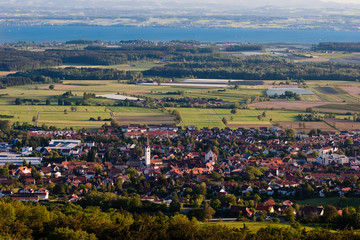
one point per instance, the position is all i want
(20, 220)
(255, 68)
(21, 60)
(338, 46)
(244, 47)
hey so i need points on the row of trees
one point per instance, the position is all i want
(244, 47)
(338, 46)
(255, 68)
(20, 60)
(31, 221)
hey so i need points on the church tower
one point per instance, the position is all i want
(147, 154)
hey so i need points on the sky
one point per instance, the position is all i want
(184, 3)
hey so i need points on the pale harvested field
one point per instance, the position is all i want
(343, 125)
(60, 86)
(352, 90)
(285, 86)
(306, 126)
(249, 125)
(313, 59)
(90, 123)
(291, 105)
(331, 110)
(5, 73)
(144, 120)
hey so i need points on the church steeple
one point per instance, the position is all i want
(147, 153)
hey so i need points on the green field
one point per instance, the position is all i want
(213, 117)
(335, 201)
(309, 98)
(200, 117)
(348, 107)
(56, 115)
(79, 118)
(132, 66)
(254, 226)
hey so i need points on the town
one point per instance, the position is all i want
(241, 174)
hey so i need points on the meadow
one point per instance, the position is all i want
(335, 201)
(255, 226)
(344, 97)
(213, 117)
(59, 116)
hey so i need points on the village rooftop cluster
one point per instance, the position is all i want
(270, 168)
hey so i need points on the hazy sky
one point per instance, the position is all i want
(68, 4)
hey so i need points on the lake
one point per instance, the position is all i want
(13, 34)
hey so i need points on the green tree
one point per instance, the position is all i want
(290, 215)
(132, 172)
(18, 101)
(91, 157)
(180, 227)
(290, 133)
(70, 234)
(215, 203)
(175, 206)
(36, 174)
(330, 214)
(5, 125)
(224, 121)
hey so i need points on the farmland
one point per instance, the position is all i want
(132, 115)
(253, 226)
(306, 126)
(79, 117)
(243, 117)
(335, 96)
(290, 105)
(59, 116)
(327, 90)
(343, 125)
(335, 201)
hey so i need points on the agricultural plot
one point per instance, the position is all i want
(354, 90)
(310, 98)
(134, 115)
(246, 125)
(253, 226)
(306, 126)
(233, 95)
(343, 125)
(290, 105)
(40, 93)
(327, 90)
(325, 96)
(335, 201)
(5, 73)
(281, 91)
(8, 95)
(243, 117)
(345, 107)
(58, 116)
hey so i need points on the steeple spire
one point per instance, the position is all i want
(147, 153)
